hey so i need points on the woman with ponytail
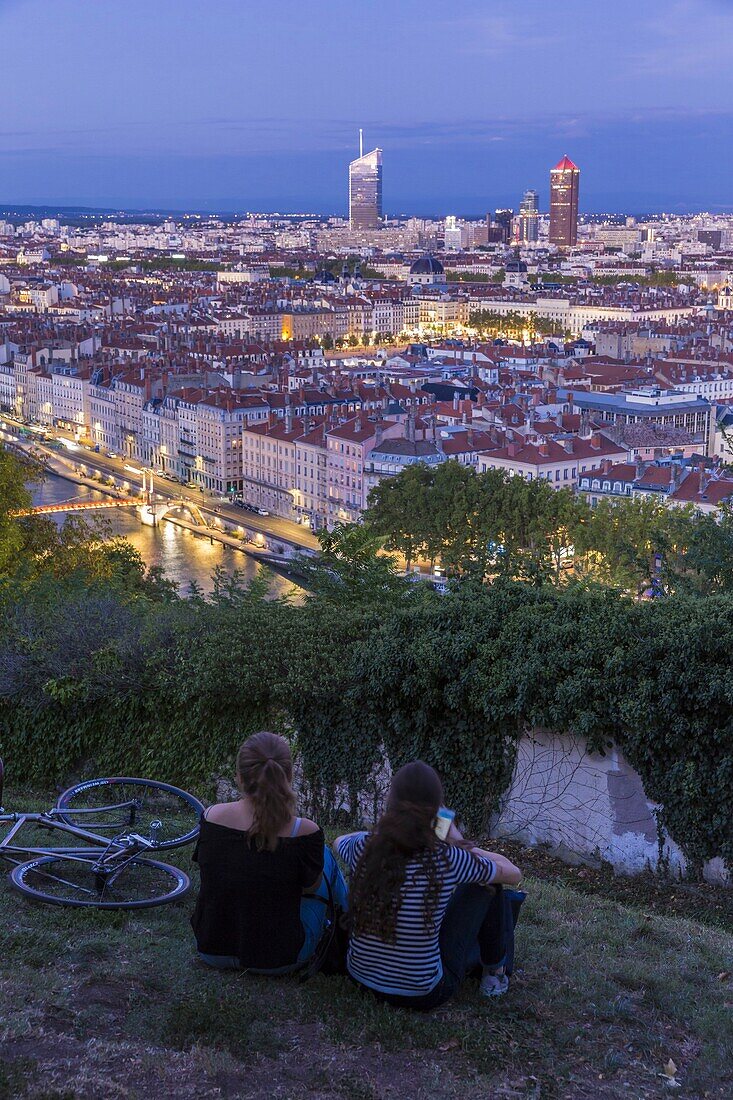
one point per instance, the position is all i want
(261, 906)
(425, 911)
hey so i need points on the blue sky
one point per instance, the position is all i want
(250, 104)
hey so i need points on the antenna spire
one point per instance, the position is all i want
(361, 142)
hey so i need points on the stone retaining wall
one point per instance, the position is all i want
(588, 808)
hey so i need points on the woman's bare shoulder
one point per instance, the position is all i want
(225, 813)
(307, 826)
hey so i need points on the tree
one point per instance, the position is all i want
(21, 537)
(619, 538)
(398, 511)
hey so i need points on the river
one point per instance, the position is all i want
(183, 557)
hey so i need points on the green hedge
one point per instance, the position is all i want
(95, 681)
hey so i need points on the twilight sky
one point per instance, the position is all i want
(255, 104)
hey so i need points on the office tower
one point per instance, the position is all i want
(365, 189)
(564, 187)
(503, 219)
(529, 217)
(452, 234)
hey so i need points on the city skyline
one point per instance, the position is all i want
(163, 113)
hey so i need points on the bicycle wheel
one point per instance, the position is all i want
(110, 806)
(60, 880)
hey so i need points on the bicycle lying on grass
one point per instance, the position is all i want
(110, 817)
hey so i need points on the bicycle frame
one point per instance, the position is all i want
(100, 847)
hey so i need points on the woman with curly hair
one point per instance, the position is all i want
(425, 912)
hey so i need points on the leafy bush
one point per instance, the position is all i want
(94, 678)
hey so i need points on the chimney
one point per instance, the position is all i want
(568, 445)
(512, 449)
(544, 449)
(704, 479)
(595, 441)
(606, 466)
(455, 400)
(378, 433)
(639, 466)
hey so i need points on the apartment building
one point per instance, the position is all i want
(311, 477)
(560, 462)
(348, 446)
(221, 418)
(269, 464)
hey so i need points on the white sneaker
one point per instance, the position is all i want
(493, 985)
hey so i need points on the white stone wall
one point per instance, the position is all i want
(587, 807)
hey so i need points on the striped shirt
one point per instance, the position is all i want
(411, 966)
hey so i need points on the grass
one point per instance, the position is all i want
(607, 991)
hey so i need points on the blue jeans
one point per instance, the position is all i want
(477, 930)
(313, 914)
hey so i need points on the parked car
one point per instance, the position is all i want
(111, 454)
(262, 512)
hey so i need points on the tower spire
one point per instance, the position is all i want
(361, 143)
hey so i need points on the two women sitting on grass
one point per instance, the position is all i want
(425, 912)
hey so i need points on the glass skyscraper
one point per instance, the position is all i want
(529, 219)
(365, 191)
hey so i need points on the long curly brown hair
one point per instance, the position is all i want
(404, 833)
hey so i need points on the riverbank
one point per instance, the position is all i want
(237, 535)
(274, 530)
(189, 560)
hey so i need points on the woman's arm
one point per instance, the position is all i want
(506, 873)
(337, 841)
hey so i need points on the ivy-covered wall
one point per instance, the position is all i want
(95, 681)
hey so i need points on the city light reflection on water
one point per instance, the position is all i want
(183, 556)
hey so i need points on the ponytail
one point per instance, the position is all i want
(265, 773)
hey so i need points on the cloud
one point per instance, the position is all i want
(686, 38)
(493, 35)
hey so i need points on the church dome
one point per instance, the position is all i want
(427, 265)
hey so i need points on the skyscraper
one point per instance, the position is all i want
(503, 219)
(529, 217)
(564, 187)
(365, 189)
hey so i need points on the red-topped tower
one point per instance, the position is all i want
(564, 188)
